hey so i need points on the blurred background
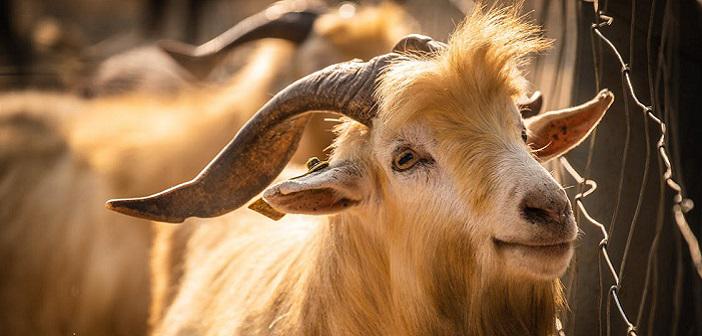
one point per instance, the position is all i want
(93, 61)
(56, 44)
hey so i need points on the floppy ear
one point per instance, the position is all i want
(555, 133)
(325, 191)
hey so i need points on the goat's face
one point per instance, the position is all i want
(449, 161)
(459, 175)
(470, 173)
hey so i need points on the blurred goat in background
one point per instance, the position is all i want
(68, 265)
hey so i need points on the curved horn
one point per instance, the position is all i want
(262, 148)
(280, 21)
(418, 43)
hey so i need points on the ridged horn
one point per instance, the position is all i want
(262, 148)
(416, 43)
(281, 21)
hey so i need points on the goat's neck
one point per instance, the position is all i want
(346, 288)
(362, 285)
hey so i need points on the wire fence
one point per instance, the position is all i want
(681, 205)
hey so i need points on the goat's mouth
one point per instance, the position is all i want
(536, 259)
(554, 249)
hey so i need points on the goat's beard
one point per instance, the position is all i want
(466, 291)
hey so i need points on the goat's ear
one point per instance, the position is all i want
(531, 106)
(324, 191)
(554, 133)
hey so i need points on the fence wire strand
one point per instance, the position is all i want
(681, 205)
(614, 289)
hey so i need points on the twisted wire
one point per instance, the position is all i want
(681, 205)
(614, 289)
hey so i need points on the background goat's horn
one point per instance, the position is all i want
(262, 148)
(416, 43)
(279, 21)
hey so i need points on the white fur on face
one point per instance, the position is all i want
(431, 194)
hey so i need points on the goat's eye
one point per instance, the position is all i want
(405, 160)
(524, 135)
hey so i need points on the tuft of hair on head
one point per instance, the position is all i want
(484, 57)
(495, 42)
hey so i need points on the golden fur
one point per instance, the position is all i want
(394, 265)
(68, 264)
(459, 87)
(482, 62)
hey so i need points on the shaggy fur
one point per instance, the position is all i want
(406, 260)
(69, 266)
(466, 87)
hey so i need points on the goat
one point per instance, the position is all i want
(433, 214)
(85, 270)
(166, 67)
(322, 37)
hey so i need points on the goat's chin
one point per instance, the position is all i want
(543, 262)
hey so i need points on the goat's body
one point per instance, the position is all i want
(62, 269)
(237, 275)
(229, 272)
(68, 264)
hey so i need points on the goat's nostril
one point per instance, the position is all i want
(541, 215)
(545, 207)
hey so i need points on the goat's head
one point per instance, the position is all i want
(436, 146)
